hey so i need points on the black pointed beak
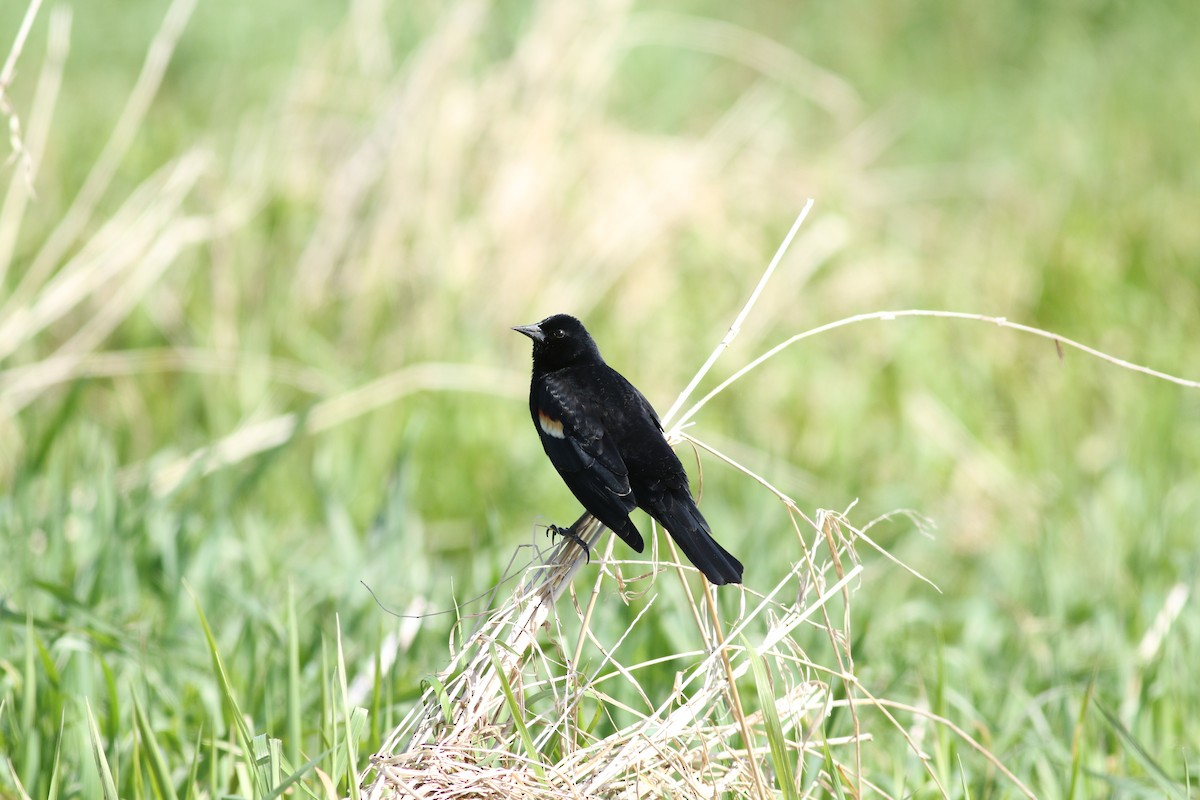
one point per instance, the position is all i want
(532, 331)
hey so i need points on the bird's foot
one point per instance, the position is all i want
(570, 535)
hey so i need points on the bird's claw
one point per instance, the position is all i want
(570, 535)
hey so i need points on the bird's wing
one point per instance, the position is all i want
(581, 450)
(646, 405)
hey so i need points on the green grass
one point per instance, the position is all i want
(205, 632)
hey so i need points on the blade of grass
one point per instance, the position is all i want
(113, 718)
(377, 689)
(159, 771)
(833, 770)
(294, 730)
(785, 774)
(107, 784)
(1134, 747)
(443, 696)
(135, 771)
(244, 735)
(33, 748)
(52, 791)
(287, 783)
(356, 730)
(1077, 740)
(194, 770)
(515, 711)
(266, 758)
(328, 730)
(348, 713)
(9, 777)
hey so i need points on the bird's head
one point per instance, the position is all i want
(560, 341)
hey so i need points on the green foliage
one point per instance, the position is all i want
(781, 759)
(340, 200)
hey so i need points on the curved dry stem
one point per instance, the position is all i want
(327, 414)
(736, 327)
(29, 147)
(105, 168)
(892, 315)
(19, 385)
(959, 732)
(6, 75)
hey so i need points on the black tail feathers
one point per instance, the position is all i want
(682, 519)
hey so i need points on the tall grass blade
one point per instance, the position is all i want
(193, 776)
(514, 710)
(159, 771)
(52, 790)
(292, 779)
(294, 722)
(1077, 741)
(33, 738)
(107, 784)
(785, 773)
(1143, 758)
(348, 714)
(244, 735)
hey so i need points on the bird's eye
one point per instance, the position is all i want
(558, 334)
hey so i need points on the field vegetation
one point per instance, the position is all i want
(258, 266)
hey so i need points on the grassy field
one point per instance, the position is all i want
(255, 358)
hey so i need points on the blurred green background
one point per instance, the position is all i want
(322, 196)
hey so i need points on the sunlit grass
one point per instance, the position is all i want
(266, 359)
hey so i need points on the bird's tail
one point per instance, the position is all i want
(683, 520)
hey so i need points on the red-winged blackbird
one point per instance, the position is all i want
(607, 443)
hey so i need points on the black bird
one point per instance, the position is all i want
(606, 442)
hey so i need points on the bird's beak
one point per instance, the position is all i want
(532, 331)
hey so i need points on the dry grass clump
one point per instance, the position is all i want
(504, 719)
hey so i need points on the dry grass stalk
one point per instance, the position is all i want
(462, 739)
